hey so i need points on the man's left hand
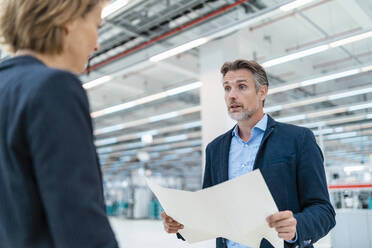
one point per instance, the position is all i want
(284, 223)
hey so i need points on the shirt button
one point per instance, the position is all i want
(245, 145)
(242, 165)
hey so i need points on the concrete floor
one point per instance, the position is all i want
(150, 233)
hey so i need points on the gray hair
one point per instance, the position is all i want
(257, 70)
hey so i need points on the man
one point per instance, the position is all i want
(288, 157)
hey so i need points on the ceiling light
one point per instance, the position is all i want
(330, 77)
(317, 80)
(320, 48)
(183, 89)
(147, 99)
(327, 112)
(305, 102)
(282, 88)
(146, 139)
(97, 82)
(351, 39)
(360, 106)
(354, 168)
(179, 49)
(350, 93)
(273, 109)
(341, 135)
(163, 116)
(113, 7)
(294, 56)
(292, 118)
(147, 120)
(367, 68)
(294, 5)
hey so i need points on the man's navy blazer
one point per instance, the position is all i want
(291, 163)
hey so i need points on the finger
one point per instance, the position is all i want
(170, 229)
(169, 219)
(285, 223)
(279, 216)
(174, 224)
(285, 229)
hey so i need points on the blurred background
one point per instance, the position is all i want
(156, 99)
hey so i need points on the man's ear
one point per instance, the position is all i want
(262, 92)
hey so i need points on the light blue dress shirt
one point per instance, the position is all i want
(242, 156)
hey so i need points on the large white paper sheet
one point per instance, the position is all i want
(236, 210)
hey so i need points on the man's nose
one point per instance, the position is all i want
(232, 94)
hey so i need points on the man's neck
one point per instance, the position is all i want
(246, 126)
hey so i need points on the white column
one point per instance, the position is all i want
(214, 116)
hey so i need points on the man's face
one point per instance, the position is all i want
(241, 98)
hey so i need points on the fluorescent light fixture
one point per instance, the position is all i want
(354, 140)
(341, 135)
(147, 139)
(183, 89)
(360, 106)
(305, 102)
(147, 120)
(97, 82)
(327, 112)
(320, 48)
(317, 80)
(294, 5)
(110, 129)
(367, 68)
(339, 129)
(330, 111)
(176, 138)
(286, 87)
(107, 141)
(179, 49)
(192, 124)
(154, 132)
(330, 77)
(294, 56)
(146, 99)
(113, 7)
(350, 93)
(323, 131)
(273, 109)
(354, 168)
(351, 39)
(163, 116)
(292, 118)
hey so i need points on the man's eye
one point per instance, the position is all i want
(242, 86)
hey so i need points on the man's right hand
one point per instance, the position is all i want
(170, 225)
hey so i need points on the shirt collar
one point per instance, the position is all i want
(262, 125)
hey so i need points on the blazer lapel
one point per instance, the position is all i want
(270, 127)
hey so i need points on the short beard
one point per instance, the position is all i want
(244, 115)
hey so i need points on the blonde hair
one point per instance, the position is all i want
(39, 25)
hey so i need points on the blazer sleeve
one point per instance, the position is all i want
(67, 173)
(317, 216)
(207, 180)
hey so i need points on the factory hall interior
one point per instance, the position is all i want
(192, 124)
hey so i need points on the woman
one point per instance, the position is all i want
(50, 181)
